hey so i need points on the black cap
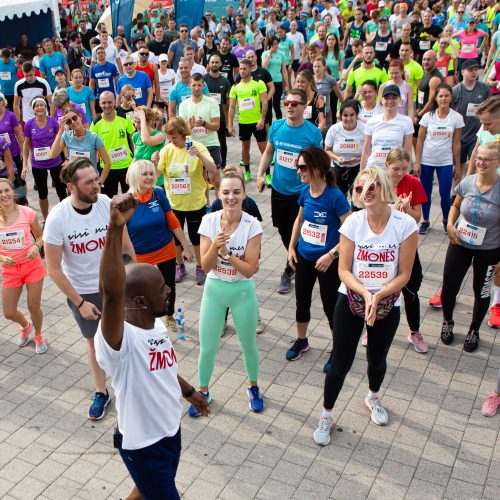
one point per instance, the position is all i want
(138, 38)
(383, 18)
(59, 71)
(470, 63)
(391, 90)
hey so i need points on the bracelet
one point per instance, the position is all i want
(81, 303)
(188, 394)
(38, 246)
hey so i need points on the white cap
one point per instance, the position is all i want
(162, 57)
(381, 4)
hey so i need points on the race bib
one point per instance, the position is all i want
(176, 170)
(215, 96)
(184, 97)
(76, 155)
(164, 93)
(425, 44)
(380, 154)
(349, 146)
(56, 68)
(12, 240)
(287, 159)
(315, 234)
(375, 274)
(83, 106)
(5, 136)
(199, 132)
(247, 104)
(224, 74)
(308, 113)
(468, 233)
(468, 48)
(180, 186)
(407, 75)
(138, 93)
(421, 96)
(471, 109)
(381, 46)
(5, 75)
(41, 154)
(440, 132)
(118, 154)
(443, 71)
(224, 270)
(103, 83)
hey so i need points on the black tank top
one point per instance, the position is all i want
(314, 110)
(424, 87)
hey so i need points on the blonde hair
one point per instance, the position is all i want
(492, 146)
(152, 116)
(177, 125)
(134, 174)
(126, 88)
(3, 215)
(374, 174)
(397, 154)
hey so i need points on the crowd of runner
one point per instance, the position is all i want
(354, 107)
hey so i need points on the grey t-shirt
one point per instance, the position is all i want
(325, 86)
(463, 102)
(82, 148)
(482, 210)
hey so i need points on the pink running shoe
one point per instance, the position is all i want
(24, 334)
(490, 405)
(436, 300)
(180, 273)
(364, 339)
(418, 342)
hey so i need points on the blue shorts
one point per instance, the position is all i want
(153, 468)
(466, 150)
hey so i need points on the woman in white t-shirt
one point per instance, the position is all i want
(438, 149)
(166, 79)
(344, 143)
(229, 248)
(386, 131)
(369, 105)
(377, 249)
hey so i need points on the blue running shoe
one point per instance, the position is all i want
(192, 410)
(256, 402)
(97, 410)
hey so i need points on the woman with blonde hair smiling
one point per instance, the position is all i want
(377, 249)
(152, 228)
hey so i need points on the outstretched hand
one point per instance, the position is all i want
(122, 208)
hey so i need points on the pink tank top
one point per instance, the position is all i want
(403, 88)
(15, 240)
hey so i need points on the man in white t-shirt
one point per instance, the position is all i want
(193, 66)
(132, 345)
(74, 237)
(112, 54)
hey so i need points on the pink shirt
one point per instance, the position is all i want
(15, 240)
(468, 43)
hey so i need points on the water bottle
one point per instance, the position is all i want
(189, 142)
(180, 320)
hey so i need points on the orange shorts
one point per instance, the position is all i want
(26, 273)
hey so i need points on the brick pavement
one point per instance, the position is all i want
(437, 443)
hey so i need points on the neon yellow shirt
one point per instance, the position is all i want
(413, 72)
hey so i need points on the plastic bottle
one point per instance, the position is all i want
(181, 324)
(189, 143)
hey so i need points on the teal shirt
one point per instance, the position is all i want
(333, 64)
(284, 49)
(274, 67)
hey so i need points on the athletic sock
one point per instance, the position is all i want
(372, 395)
(496, 296)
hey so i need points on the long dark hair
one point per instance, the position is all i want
(434, 104)
(318, 159)
(325, 50)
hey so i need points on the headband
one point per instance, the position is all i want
(38, 99)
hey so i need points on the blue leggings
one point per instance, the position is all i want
(445, 180)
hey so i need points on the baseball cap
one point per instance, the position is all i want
(383, 18)
(59, 71)
(138, 38)
(391, 90)
(162, 57)
(470, 63)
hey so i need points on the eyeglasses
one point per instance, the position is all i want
(294, 104)
(209, 36)
(301, 166)
(460, 11)
(479, 159)
(184, 31)
(371, 188)
(144, 53)
(128, 64)
(74, 118)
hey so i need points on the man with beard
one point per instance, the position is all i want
(367, 71)
(132, 345)
(426, 34)
(405, 38)
(74, 237)
(230, 65)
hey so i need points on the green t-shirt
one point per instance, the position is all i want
(247, 94)
(114, 136)
(284, 49)
(333, 64)
(143, 152)
(275, 65)
(361, 75)
(413, 72)
(371, 26)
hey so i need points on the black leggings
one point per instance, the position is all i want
(221, 134)
(114, 179)
(345, 176)
(457, 263)
(167, 269)
(347, 329)
(278, 90)
(305, 278)
(193, 219)
(40, 176)
(410, 293)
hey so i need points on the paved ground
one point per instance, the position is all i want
(437, 443)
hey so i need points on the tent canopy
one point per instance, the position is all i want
(11, 8)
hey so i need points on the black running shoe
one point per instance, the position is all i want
(447, 332)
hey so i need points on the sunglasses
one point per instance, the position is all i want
(209, 36)
(294, 104)
(184, 31)
(301, 166)
(371, 188)
(461, 12)
(128, 64)
(74, 118)
(144, 53)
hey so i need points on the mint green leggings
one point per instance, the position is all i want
(241, 298)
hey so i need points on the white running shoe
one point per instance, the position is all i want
(379, 413)
(321, 435)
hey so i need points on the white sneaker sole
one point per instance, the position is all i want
(371, 415)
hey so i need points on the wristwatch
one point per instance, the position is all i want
(335, 253)
(227, 256)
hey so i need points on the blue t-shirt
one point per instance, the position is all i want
(104, 77)
(148, 228)
(288, 142)
(50, 64)
(180, 91)
(141, 84)
(325, 210)
(82, 148)
(83, 98)
(8, 77)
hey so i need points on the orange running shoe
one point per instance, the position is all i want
(494, 320)
(436, 300)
